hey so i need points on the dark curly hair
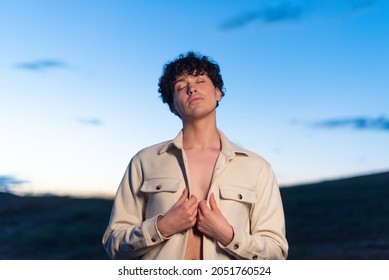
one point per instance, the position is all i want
(190, 63)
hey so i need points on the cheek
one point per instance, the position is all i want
(177, 105)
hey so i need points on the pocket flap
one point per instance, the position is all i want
(237, 193)
(161, 185)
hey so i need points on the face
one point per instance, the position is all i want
(195, 96)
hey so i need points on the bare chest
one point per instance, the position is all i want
(201, 165)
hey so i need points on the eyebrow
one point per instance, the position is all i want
(177, 81)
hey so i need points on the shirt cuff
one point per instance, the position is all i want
(157, 230)
(151, 234)
(236, 243)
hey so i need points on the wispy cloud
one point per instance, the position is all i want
(91, 121)
(281, 12)
(357, 5)
(288, 10)
(7, 182)
(41, 65)
(358, 123)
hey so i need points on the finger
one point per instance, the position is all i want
(212, 203)
(192, 207)
(182, 198)
(194, 214)
(203, 206)
(192, 200)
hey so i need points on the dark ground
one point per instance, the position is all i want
(341, 219)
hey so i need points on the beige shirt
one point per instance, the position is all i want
(245, 190)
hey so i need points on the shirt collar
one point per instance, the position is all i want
(229, 149)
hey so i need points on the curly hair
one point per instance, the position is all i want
(190, 63)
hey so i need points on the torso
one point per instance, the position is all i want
(201, 165)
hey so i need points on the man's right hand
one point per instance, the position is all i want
(180, 217)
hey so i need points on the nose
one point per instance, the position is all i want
(191, 88)
(191, 92)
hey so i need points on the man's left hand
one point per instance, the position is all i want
(211, 222)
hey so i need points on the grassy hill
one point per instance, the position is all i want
(341, 219)
(52, 227)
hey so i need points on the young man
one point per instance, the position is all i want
(197, 196)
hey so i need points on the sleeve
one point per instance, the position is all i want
(128, 235)
(267, 224)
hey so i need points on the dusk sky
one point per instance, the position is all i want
(306, 86)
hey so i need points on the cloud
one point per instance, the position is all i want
(7, 182)
(41, 65)
(91, 121)
(358, 123)
(289, 10)
(357, 5)
(282, 12)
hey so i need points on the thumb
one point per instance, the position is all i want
(212, 203)
(182, 198)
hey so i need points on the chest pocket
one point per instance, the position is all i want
(161, 194)
(237, 193)
(235, 204)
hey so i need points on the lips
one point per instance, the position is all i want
(195, 99)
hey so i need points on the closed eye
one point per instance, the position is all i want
(200, 79)
(181, 88)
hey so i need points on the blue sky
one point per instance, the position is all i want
(306, 86)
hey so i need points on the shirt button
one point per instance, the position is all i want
(153, 239)
(255, 257)
(158, 187)
(236, 246)
(240, 196)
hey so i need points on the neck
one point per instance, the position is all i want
(201, 135)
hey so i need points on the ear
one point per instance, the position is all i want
(218, 94)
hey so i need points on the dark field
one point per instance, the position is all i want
(341, 219)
